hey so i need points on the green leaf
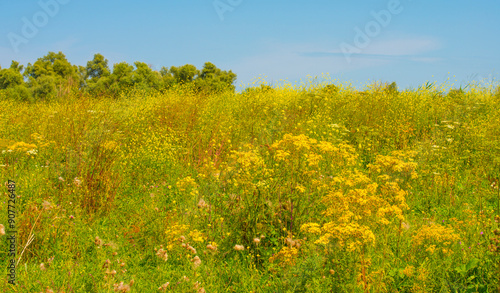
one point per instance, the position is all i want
(472, 264)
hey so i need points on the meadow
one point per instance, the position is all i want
(312, 188)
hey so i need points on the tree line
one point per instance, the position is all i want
(54, 76)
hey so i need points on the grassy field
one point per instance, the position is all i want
(320, 188)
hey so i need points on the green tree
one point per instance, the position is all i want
(44, 87)
(213, 79)
(97, 68)
(145, 77)
(10, 77)
(184, 74)
(167, 78)
(121, 79)
(96, 74)
(12, 82)
(52, 71)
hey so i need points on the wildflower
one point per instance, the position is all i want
(192, 249)
(196, 261)
(42, 267)
(77, 181)
(2, 230)
(197, 286)
(408, 271)
(161, 253)
(212, 247)
(60, 178)
(313, 228)
(202, 204)
(110, 145)
(286, 256)
(196, 235)
(164, 286)
(32, 152)
(121, 287)
(46, 205)
(106, 264)
(239, 247)
(256, 240)
(98, 241)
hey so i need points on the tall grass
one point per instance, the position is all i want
(313, 188)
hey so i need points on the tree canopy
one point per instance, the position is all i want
(54, 76)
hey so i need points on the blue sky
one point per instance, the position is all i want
(406, 41)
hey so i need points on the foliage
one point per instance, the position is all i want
(54, 77)
(318, 188)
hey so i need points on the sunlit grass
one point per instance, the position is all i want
(310, 188)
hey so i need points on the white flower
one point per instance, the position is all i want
(32, 152)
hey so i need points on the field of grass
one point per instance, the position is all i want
(320, 188)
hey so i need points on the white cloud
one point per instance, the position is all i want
(402, 47)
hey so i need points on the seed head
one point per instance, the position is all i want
(192, 249)
(98, 241)
(106, 264)
(196, 261)
(164, 286)
(161, 253)
(121, 287)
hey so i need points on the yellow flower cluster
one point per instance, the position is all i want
(287, 256)
(357, 206)
(22, 146)
(197, 236)
(173, 232)
(396, 164)
(313, 151)
(187, 183)
(434, 236)
(110, 145)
